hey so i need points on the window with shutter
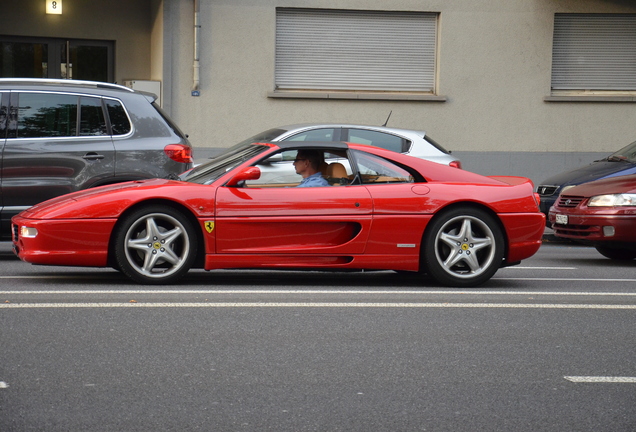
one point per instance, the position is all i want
(594, 52)
(347, 50)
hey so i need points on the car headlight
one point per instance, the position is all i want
(28, 232)
(613, 200)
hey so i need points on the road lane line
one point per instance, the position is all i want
(600, 379)
(504, 279)
(562, 279)
(314, 291)
(538, 268)
(138, 304)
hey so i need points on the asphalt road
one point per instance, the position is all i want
(544, 346)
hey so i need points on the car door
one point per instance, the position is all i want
(333, 220)
(402, 206)
(57, 143)
(4, 116)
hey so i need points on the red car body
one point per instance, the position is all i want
(361, 226)
(609, 228)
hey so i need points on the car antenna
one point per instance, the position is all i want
(387, 119)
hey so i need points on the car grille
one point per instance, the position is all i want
(576, 231)
(14, 232)
(547, 190)
(569, 201)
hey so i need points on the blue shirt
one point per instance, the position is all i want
(313, 181)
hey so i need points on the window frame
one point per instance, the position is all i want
(326, 65)
(592, 57)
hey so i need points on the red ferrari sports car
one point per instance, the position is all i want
(602, 214)
(378, 210)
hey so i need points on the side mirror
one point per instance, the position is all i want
(250, 173)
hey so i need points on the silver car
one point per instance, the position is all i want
(60, 136)
(414, 143)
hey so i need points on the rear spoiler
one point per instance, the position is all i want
(512, 180)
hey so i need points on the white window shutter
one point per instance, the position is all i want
(594, 52)
(355, 50)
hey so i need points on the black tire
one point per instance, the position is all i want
(617, 254)
(155, 245)
(462, 247)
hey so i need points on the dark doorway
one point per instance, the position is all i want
(22, 57)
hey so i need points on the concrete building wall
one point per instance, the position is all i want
(494, 70)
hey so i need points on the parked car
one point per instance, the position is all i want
(602, 214)
(620, 163)
(60, 136)
(386, 211)
(414, 143)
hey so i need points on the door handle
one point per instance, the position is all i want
(92, 156)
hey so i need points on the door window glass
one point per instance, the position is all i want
(374, 170)
(378, 139)
(92, 120)
(24, 60)
(320, 135)
(43, 115)
(119, 122)
(84, 62)
(37, 57)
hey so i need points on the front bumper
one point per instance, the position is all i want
(595, 228)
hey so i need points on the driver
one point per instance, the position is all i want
(307, 164)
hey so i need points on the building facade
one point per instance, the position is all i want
(516, 87)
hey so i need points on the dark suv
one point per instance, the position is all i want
(59, 136)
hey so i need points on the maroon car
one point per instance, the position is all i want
(602, 214)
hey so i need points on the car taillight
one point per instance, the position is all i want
(179, 153)
(537, 198)
(456, 164)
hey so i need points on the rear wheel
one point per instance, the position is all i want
(155, 245)
(463, 247)
(616, 253)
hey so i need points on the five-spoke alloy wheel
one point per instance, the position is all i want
(463, 247)
(155, 245)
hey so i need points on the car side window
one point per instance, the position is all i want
(119, 122)
(378, 139)
(320, 135)
(92, 120)
(376, 170)
(42, 115)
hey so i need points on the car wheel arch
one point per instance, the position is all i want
(454, 207)
(199, 260)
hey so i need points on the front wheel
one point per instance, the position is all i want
(617, 254)
(463, 247)
(155, 245)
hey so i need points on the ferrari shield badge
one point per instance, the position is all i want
(209, 226)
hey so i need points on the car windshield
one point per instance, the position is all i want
(231, 158)
(627, 153)
(266, 136)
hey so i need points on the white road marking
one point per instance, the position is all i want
(137, 304)
(538, 268)
(330, 292)
(600, 379)
(564, 279)
(506, 279)
(3, 385)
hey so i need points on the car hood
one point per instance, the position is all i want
(111, 201)
(613, 185)
(594, 171)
